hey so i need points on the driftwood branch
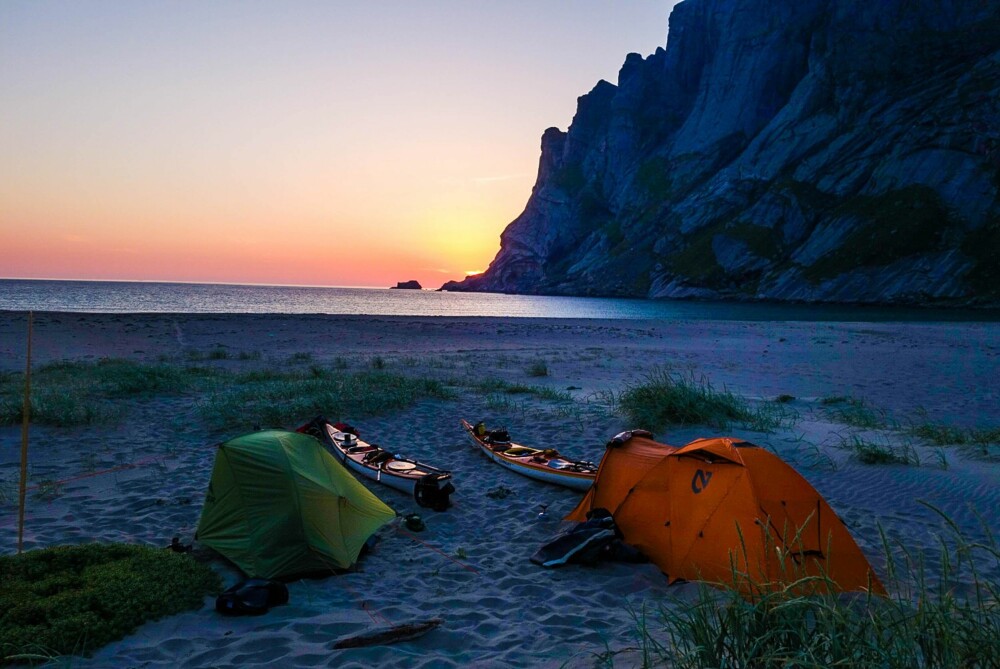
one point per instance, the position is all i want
(392, 634)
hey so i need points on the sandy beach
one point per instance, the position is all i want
(142, 478)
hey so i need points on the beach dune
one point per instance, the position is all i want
(142, 478)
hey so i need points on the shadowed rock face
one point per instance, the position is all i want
(816, 150)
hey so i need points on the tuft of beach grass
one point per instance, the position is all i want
(945, 620)
(667, 398)
(979, 443)
(85, 393)
(80, 393)
(871, 451)
(538, 368)
(277, 399)
(496, 386)
(856, 412)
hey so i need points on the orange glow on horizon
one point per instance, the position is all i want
(318, 236)
(343, 144)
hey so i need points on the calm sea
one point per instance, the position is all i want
(131, 297)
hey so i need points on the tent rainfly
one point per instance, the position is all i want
(279, 504)
(725, 511)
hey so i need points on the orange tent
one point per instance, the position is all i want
(721, 510)
(629, 457)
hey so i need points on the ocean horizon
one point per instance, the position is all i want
(177, 297)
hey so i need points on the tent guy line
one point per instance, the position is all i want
(144, 462)
(438, 550)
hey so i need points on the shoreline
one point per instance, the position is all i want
(900, 366)
(179, 298)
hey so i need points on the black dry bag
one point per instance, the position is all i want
(251, 597)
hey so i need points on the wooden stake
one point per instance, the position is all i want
(25, 418)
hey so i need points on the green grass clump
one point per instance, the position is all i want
(855, 412)
(517, 389)
(668, 398)
(829, 631)
(498, 395)
(979, 443)
(274, 399)
(60, 408)
(75, 599)
(940, 435)
(871, 452)
(80, 393)
(84, 393)
(945, 620)
(538, 368)
(495, 386)
(551, 394)
(113, 377)
(948, 435)
(502, 403)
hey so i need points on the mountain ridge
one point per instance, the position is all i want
(812, 151)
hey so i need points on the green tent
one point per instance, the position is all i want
(279, 504)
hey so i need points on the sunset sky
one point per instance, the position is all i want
(313, 143)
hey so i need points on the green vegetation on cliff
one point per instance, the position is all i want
(889, 227)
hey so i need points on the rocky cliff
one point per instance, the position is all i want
(816, 150)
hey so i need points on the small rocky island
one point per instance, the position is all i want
(412, 284)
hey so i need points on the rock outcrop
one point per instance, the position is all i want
(412, 284)
(814, 150)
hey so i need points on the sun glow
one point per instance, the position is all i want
(330, 145)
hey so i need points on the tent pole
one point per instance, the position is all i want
(25, 417)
